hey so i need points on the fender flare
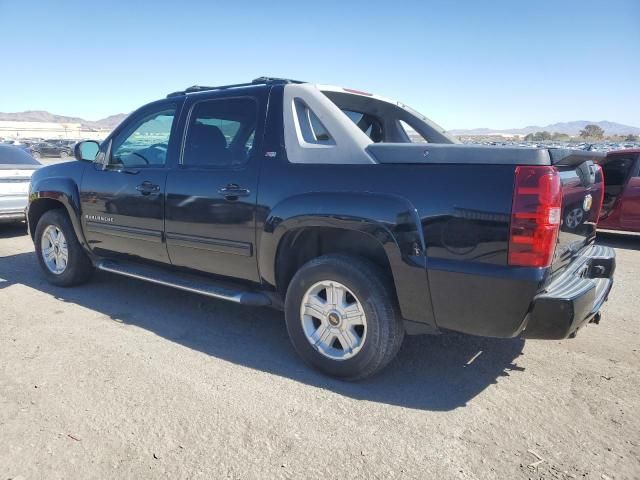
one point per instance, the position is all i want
(389, 219)
(64, 191)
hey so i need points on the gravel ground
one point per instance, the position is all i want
(123, 379)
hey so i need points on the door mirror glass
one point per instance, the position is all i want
(86, 150)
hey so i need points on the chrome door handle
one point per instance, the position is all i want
(233, 191)
(145, 188)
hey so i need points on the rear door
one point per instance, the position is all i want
(211, 193)
(582, 189)
(49, 149)
(630, 201)
(123, 196)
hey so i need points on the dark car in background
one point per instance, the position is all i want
(60, 141)
(46, 149)
(621, 205)
(68, 143)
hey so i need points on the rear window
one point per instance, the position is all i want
(10, 155)
(369, 124)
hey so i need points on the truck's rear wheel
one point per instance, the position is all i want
(341, 316)
(61, 257)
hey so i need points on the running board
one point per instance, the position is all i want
(185, 281)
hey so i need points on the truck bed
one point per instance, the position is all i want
(477, 154)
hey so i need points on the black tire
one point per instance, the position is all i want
(79, 267)
(385, 330)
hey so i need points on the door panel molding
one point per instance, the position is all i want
(211, 244)
(154, 236)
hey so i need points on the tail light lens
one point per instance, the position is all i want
(535, 216)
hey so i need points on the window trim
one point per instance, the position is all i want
(136, 117)
(187, 123)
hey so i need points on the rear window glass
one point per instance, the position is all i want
(10, 155)
(221, 133)
(229, 128)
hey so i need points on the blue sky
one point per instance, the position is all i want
(465, 64)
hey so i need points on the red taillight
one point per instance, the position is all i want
(535, 216)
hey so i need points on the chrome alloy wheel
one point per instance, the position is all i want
(333, 320)
(53, 248)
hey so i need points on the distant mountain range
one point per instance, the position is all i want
(570, 128)
(42, 116)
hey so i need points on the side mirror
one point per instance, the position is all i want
(86, 150)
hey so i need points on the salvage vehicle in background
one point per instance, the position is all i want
(16, 168)
(63, 142)
(44, 149)
(314, 199)
(621, 206)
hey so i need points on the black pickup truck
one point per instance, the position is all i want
(359, 217)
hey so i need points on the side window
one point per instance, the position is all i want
(616, 171)
(220, 133)
(145, 142)
(311, 128)
(414, 136)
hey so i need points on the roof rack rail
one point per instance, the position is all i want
(255, 81)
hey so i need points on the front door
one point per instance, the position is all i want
(630, 202)
(211, 193)
(122, 197)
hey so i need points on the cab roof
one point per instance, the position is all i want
(252, 83)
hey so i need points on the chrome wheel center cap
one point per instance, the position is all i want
(334, 319)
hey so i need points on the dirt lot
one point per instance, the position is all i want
(121, 379)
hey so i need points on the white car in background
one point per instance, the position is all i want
(16, 168)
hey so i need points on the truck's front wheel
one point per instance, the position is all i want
(341, 316)
(61, 257)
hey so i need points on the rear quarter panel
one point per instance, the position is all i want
(462, 213)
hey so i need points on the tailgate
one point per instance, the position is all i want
(582, 189)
